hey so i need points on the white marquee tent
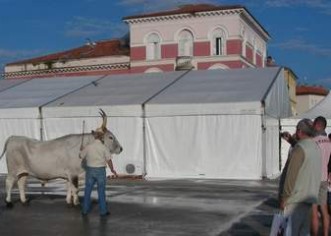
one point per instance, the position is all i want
(121, 97)
(187, 124)
(217, 124)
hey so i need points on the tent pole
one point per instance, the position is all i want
(280, 145)
(144, 140)
(41, 125)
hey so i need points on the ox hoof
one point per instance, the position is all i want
(26, 203)
(9, 204)
(76, 206)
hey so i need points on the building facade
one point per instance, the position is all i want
(291, 80)
(198, 37)
(103, 57)
(309, 96)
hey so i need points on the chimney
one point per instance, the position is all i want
(270, 61)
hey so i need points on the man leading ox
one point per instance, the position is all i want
(96, 156)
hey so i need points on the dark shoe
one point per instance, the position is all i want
(26, 203)
(9, 204)
(106, 214)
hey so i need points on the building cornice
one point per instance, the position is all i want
(195, 60)
(182, 16)
(67, 70)
(251, 21)
(236, 11)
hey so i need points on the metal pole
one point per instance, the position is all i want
(83, 131)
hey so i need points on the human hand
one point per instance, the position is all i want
(282, 204)
(286, 135)
(114, 173)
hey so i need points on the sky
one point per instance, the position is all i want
(299, 29)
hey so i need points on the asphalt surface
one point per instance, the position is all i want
(146, 208)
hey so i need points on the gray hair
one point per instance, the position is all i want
(306, 126)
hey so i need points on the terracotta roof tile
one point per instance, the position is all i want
(100, 49)
(311, 90)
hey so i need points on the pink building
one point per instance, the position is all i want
(198, 37)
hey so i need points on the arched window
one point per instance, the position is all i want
(254, 50)
(153, 48)
(244, 41)
(153, 70)
(218, 42)
(185, 43)
(218, 66)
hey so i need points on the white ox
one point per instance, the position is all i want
(47, 160)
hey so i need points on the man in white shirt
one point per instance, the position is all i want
(96, 157)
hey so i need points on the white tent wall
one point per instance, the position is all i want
(29, 127)
(271, 154)
(276, 106)
(212, 146)
(128, 131)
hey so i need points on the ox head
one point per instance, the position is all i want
(106, 136)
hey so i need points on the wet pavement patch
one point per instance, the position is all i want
(146, 208)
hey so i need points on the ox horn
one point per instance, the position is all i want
(104, 119)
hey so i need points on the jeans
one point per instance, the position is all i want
(95, 175)
(300, 214)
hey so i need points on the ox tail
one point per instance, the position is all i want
(5, 148)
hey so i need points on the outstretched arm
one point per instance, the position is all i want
(289, 138)
(111, 167)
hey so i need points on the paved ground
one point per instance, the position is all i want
(147, 208)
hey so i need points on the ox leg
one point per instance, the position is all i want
(74, 190)
(21, 186)
(10, 181)
(68, 198)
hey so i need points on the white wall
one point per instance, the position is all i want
(305, 102)
(207, 146)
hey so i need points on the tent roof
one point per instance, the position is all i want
(215, 86)
(235, 91)
(10, 83)
(182, 91)
(118, 95)
(34, 93)
(37, 92)
(124, 89)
